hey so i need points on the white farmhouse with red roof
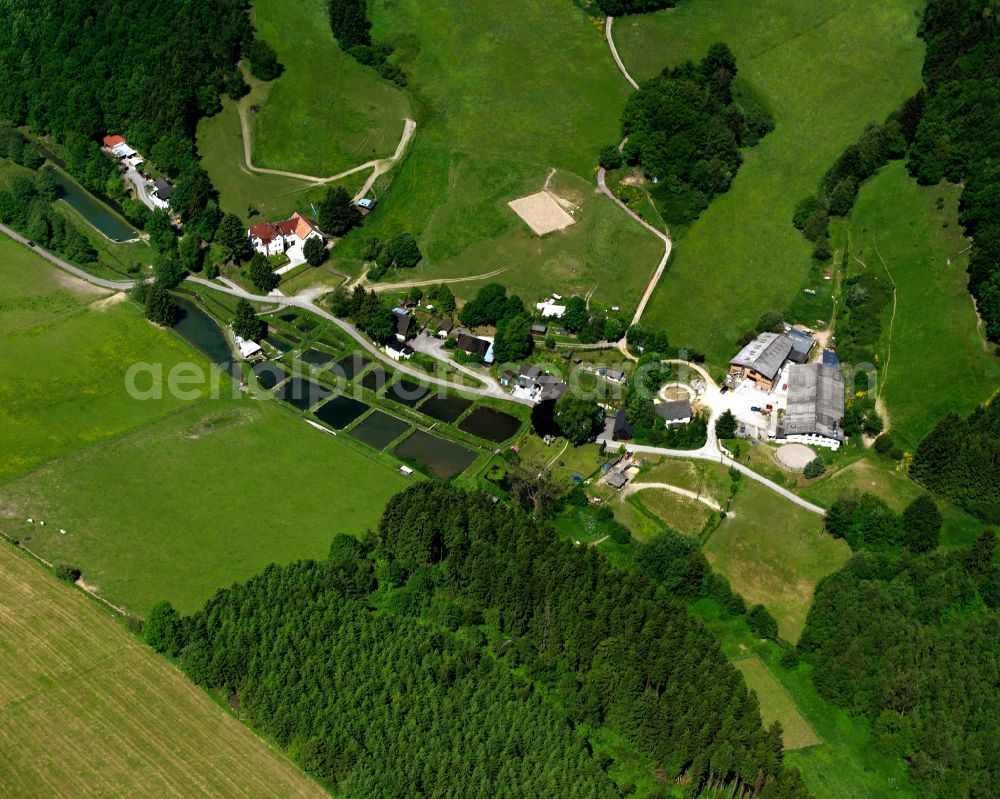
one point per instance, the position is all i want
(287, 236)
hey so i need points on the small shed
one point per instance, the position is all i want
(617, 480)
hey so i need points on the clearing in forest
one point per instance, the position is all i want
(87, 710)
(774, 553)
(940, 361)
(776, 704)
(824, 68)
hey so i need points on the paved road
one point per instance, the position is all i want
(306, 304)
(142, 190)
(707, 454)
(614, 52)
(433, 346)
(115, 285)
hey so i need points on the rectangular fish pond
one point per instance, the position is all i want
(376, 379)
(443, 458)
(379, 429)
(490, 424)
(268, 374)
(303, 394)
(316, 357)
(445, 409)
(340, 411)
(350, 366)
(406, 392)
(279, 343)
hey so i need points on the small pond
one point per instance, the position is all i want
(202, 331)
(445, 409)
(97, 213)
(303, 394)
(288, 317)
(444, 458)
(406, 392)
(490, 424)
(316, 357)
(376, 379)
(379, 429)
(350, 366)
(340, 411)
(279, 343)
(268, 374)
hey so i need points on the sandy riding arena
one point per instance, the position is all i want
(541, 212)
(794, 456)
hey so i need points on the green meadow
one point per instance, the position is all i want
(824, 69)
(198, 500)
(774, 553)
(31, 293)
(938, 358)
(503, 95)
(63, 386)
(326, 112)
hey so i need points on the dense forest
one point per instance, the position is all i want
(685, 128)
(958, 137)
(144, 70)
(949, 130)
(524, 643)
(910, 642)
(78, 69)
(617, 8)
(960, 458)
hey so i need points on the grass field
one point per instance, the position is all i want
(679, 512)
(326, 112)
(197, 501)
(776, 704)
(31, 293)
(220, 143)
(774, 553)
(63, 385)
(504, 95)
(824, 69)
(938, 359)
(88, 711)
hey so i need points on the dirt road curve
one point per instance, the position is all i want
(378, 166)
(614, 52)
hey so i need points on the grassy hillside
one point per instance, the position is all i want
(86, 710)
(938, 360)
(326, 112)
(503, 95)
(774, 553)
(197, 501)
(824, 69)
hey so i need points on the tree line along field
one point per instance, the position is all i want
(502, 96)
(86, 710)
(742, 256)
(938, 358)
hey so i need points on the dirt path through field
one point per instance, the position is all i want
(378, 165)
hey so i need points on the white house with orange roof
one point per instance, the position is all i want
(287, 236)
